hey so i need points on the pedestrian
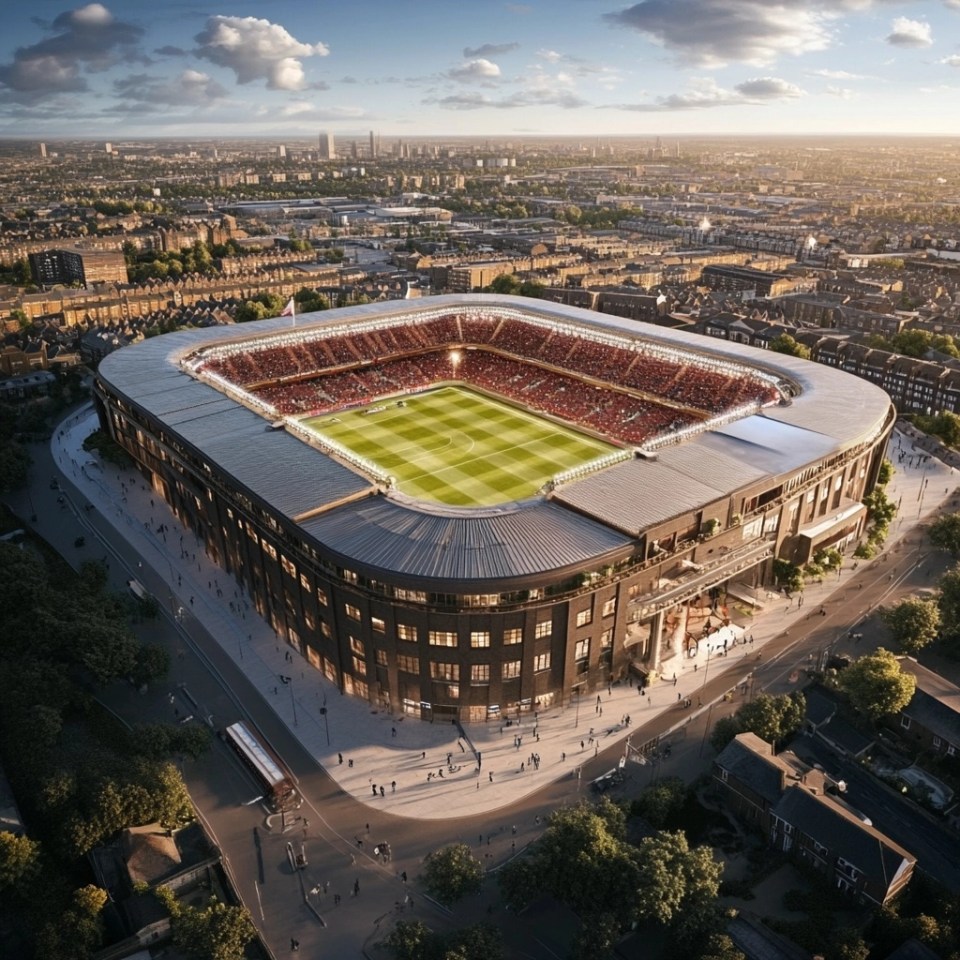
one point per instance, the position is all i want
(403, 875)
(423, 756)
(521, 768)
(393, 731)
(336, 899)
(382, 791)
(491, 776)
(340, 757)
(373, 787)
(513, 830)
(581, 744)
(393, 786)
(356, 888)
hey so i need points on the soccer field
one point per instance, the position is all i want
(454, 446)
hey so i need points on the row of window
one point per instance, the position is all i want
(450, 672)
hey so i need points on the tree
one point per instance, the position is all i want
(14, 466)
(914, 623)
(944, 533)
(660, 803)
(409, 940)
(724, 730)
(18, 859)
(773, 718)
(886, 472)
(784, 343)
(788, 575)
(674, 878)
(949, 604)
(596, 938)
(876, 685)
(451, 873)
(505, 283)
(215, 932)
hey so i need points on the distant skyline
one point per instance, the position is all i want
(453, 67)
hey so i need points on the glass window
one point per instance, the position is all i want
(582, 649)
(322, 597)
(407, 632)
(443, 638)
(381, 658)
(359, 667)
(606, 640)
(544, 629)
(377, 624)
(513, 635)
(352, 612)
(609, 607)
(408, 664)
(480, 638)
(584, 617)
(444, 671)
(357, 646)
(480, 673)
(541, 661)
(511, 669)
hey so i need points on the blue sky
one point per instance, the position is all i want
(411, 68)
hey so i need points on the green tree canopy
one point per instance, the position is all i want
(876, 685)
(772, 718)
(660, 803)
(944, 533)
(18, 859)
(674, 878)
(214, 932)
(914, 623)
(784, 343)
(451, 873)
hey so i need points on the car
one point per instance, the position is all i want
(609, 779)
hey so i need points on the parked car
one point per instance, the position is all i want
(609, 779)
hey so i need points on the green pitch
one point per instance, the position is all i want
(454, 446)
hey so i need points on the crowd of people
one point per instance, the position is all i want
(536, 363)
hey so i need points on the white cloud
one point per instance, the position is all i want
(305, 110)
(189, 88)
(712, 33)
(705, 92)
(489, 50)
(838, 75)
(479, 69)
(909, 33)
(953, 61)
(841, 93)
(257, 49)
(551, 56)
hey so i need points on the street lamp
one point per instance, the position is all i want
(323, 713)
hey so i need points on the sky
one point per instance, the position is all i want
(418, 68)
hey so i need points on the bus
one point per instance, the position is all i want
(271, 778)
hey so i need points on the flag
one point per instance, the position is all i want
(289, 309)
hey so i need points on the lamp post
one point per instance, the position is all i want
(326, 722)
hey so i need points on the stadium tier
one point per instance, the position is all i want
(471, 506)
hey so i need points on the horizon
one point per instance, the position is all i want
(656, 68)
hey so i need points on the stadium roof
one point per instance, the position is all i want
(590, 519)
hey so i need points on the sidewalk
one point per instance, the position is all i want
(427, 770)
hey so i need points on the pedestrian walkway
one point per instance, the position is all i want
(437, 770)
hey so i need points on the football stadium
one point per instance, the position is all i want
(472, 506)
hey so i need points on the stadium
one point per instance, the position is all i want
(472, 506)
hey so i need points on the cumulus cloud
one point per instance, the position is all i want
(474, 70)
(705, 93)
(841, 93)
(489, 50)
(189, 88)
(256, 49)
(905, 32)
(551, 56)
(953, 61)
(712, 33)
(87, 39)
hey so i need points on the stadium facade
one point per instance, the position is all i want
(731, 457)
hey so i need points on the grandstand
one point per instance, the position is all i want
(683, 466)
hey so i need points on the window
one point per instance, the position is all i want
(381, 658)
(936, 742)
(408, 664)
(480, 638)
(584, 617)
(359, 667)
(304, 581)
(724, 774)
(289, 567)
(543, 629)
(606, 640)
(541, 661)
(445, 671)
(309, 620)
(356, 646)
(322, 597)
(377, 624)
(513, 635)
(511, 669)
(349, 576)
(480, 673)
(582, 649)
(905, 722)
(609, 607)
(406, 632)
(325, 629)
(443, 638)
(269, 550)
(351, 611)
